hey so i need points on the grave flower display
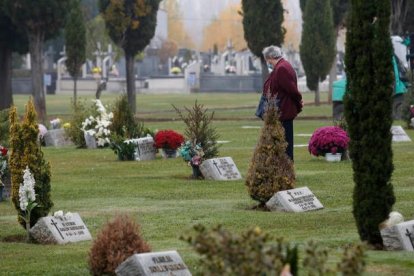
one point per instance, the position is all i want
(193, 154)
(329, 139)
(169, 141)
(97, 127)
(125, 149)
(27, 198)
(4, 169)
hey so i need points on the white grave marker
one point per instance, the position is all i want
(220, 169)
(60, 230)
(399, 236)
(155, 263)
(399, 135)
(294, 200)
(57, 138)
(145, 149)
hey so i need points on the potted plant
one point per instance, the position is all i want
(125, 149)
(168, 141)
(329, 141)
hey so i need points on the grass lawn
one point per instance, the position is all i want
(166, 203)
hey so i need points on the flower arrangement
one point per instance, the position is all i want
(98, 126)
(329, 139)
(27, 198)
(55, 123)
(168, 139)
(4, 168)
(125, 149)
(193, 154)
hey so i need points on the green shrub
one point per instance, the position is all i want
(26, 151)
(118, 240)
(199, 128)
(123, 122)
(74, 131)
(271, 170)
(4, 127)
(253, 253)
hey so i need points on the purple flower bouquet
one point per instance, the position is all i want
(329, 139)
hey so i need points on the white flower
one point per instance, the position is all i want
(58, 214)
(69, 215)
(26, 189)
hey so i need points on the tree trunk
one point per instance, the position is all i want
(332, 78)
(6, 97)
(36, 41)
(75, 90)
(317, 96)
(265, 70)
(130, 81)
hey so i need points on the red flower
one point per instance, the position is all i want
(168, 139)
(3, 151)
(330, 139)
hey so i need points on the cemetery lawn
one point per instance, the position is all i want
(166, 203)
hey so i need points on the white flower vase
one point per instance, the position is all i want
(90, 141)
(333, 157)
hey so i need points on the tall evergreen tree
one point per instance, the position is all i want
(75, 36)
(262, 24)
(11, 40)
(40, 20)
(368, 112)
(317, 48)
(131, 25)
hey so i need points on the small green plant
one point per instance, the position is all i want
(270, 169)
(74, 127)
(123, 122)
(118, 240)
(4, 127)
(254, 253)
(125, 149)
(199, 128)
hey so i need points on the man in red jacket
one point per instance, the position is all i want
(282, 85)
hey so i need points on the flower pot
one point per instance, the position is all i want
(169, 153)
(196, 172)
(333, 157)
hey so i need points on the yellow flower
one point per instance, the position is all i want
(96, 70)
(66, 125)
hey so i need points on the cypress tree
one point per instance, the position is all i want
(75, 36)
(368, 111)
(25, 151)
(317, 49)
(262, 24)
(270, 169)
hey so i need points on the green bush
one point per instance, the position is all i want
(124, 123)
(26, 152)
(79, 113)
(270, 170)
(253, 253)
(199, 129)
(4, 128)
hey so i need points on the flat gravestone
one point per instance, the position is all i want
(145, 149)
(220, 169)
(60, 230)
(399, 135)
(294, 200)
(166, 263)
(399, 236)
(57, 138)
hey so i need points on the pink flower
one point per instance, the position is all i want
(328, 139)
(42, 130)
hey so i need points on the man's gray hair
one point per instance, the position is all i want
(272, 52)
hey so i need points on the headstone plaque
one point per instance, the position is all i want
(57, 138)
(60, 229)
(399, 135)
(399, 236)
(294, 200)
(90, 141)
(145, 149)
(166, 263)
(220, 169)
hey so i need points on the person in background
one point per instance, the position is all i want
(281, 85)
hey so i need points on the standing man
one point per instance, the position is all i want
(282, 85)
